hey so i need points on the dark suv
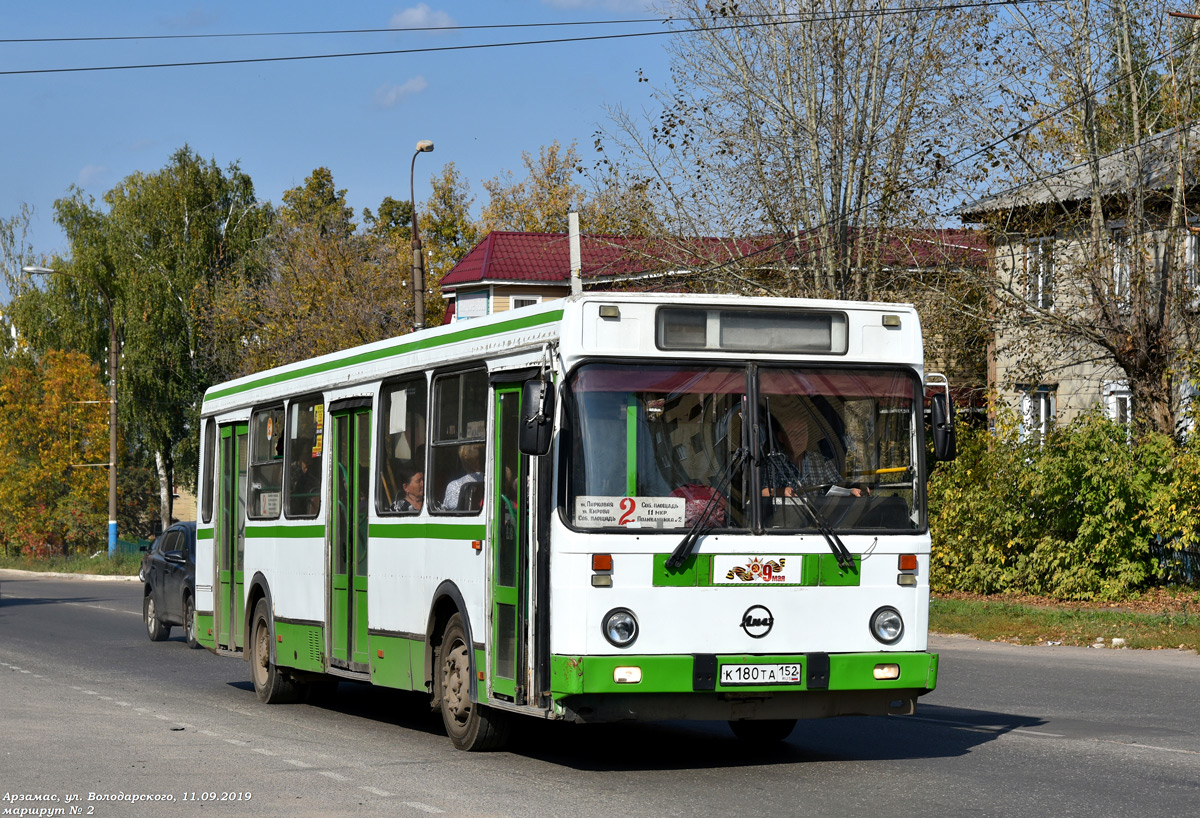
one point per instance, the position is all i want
(168, 575)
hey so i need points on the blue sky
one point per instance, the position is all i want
(361, 117)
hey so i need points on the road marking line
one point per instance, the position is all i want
(236, 741)
(90, 692)
(262, 751)
(1150, 747)
(210, 733)
(382, 793)
(123, 704)
(333, 775)
(423, 807)
(161, 717)
(296, 763)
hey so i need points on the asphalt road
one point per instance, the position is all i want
(88, 705)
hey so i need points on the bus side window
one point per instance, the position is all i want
(459, 448)
(266, 464)
(208, 487)
(400, 482)
(306, 421)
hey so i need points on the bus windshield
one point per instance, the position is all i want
(651, 447)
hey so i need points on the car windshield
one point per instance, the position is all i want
(651, 447)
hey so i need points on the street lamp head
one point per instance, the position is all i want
(425, 146)
(36, 270)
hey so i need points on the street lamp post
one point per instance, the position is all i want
(418, 262)
(113, 355)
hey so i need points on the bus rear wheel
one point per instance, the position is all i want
(765, 731)
(271, 685)
(470, 725)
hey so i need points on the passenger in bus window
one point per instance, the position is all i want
(412, 484)
(471, 458)
(784, 469)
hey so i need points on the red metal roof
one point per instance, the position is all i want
(546, 257)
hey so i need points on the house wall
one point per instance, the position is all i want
(1027, 357)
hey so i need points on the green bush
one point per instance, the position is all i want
(1072, 518)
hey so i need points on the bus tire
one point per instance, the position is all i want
(471, 726)
(271, 685)
(764, 731)
(155, 629)
(189, 621)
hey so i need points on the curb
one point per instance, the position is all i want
(83, 577)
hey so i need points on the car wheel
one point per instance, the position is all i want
(765, 731)
(470, 725)
(155, 629)
(189, 621)
(271, 685)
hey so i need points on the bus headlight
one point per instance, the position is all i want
(620, 627)
(887, 626)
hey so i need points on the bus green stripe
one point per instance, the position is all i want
(290, 532)
(204, 533)
(429, 531)
(401, 348)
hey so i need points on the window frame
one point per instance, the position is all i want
(386, 389)
(286, 488)
(253, 499)
(436, 444)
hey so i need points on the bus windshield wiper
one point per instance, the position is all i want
(845, 560)
(701, 527)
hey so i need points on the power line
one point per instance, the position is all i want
(789, 17)
(511, 44)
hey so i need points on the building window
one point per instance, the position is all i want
(1191, 269)
(1039, 273)
(1118, 402)
(471, 305)
(519, 301)
(1038, 408)
(1122, 264)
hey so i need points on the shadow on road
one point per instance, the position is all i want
(935, 732)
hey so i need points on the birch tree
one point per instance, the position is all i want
(827, 121)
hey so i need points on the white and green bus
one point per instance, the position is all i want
(607, 507)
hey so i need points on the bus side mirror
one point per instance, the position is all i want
(537, 417)
(945, 445)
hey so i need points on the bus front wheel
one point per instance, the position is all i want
(470, 725)
(271, 685)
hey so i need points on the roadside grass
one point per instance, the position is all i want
(1175, 625)
(120, 565)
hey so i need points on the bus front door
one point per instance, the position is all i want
(510, 549)
(231, 536)
(348, 574)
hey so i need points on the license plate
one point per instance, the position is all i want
(788, 673)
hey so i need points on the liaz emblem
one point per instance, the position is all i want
(759, 570)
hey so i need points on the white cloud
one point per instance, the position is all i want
(421, 16)
(389, 96)
(91, 173)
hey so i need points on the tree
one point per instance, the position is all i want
(827, 123)
(1104, 181)
(140, 268)
(54, 436)
(447, 230)
(326, 286)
